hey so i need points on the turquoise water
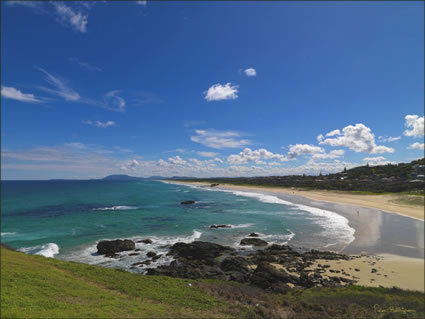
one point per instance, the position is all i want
(66, 219)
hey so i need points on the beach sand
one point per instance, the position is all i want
(389, 236)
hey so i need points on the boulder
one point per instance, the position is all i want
(151, 254)
(110, 247)
(253, 235)
(253, 242)
(214, 226)
(187, 202)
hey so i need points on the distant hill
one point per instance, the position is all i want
(122, 178)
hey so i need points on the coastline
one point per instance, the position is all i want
(383, 236)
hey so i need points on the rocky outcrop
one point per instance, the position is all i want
(276, 268)
(188, 202)
(111, 247)
(214, 226)
(253, 235)
(253, 242)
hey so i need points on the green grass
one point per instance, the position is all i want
(35, 286)
(39, 287)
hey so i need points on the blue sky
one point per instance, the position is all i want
(209, 88)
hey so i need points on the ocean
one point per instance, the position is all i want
(66, 219)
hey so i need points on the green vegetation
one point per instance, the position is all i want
(403, 177)
(35, 286)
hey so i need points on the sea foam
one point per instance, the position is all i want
(117, 208)
(46, 250)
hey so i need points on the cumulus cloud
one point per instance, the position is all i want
(207, 154)
(219, 92)
(250, 72)
(389, 139)
(131, 165)
(61, 87)
(219, 140)
(177, 160)
(416, 145)
(415, 125)
(99, 123)
(358, 138)
(68, 17)
(379, 160)
(15, 94)
(248, 155)
(333, 133)
(303, 149)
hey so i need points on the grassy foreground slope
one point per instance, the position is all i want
(35, 287)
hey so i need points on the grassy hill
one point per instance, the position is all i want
(35, 286)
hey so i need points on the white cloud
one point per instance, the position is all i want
(219, 92)
(219, 140)
(85, 65)
(416, 125)
(334, 132)
(61, 87)
(416, 145)
(142, 3)
(379, 160)
(303, 149)
(177, 160)
(31, 4)
(99, 123)
(113, 102)
(67, 16)
(331, 154)
(358, 138)
(389, 139)
(207, 154)
(250, 72)
(15, 94)
(248, 155)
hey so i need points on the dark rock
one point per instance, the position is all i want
(253, 235)
(374, 270)
(151, 254)
(254, 242)
(156, 257)
(145, 241)
(214, 185)
(134, 254)
(220, 226)
(235, 264)
(110, 247)
(199, 250)
(187, 202)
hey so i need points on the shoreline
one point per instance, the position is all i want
(380, 202)
(383, 238)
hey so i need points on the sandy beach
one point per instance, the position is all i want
(389, 243)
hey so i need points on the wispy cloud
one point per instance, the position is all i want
(15, 94)
(142, 98)
(219, 92)
(69, 17)
(60, 87)
(37, 5)
(99, 123)
(250, 72)
(142, 3)
(219, 139)
(113, 102)
(389, 139)
(85, 65)
(207, 154)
